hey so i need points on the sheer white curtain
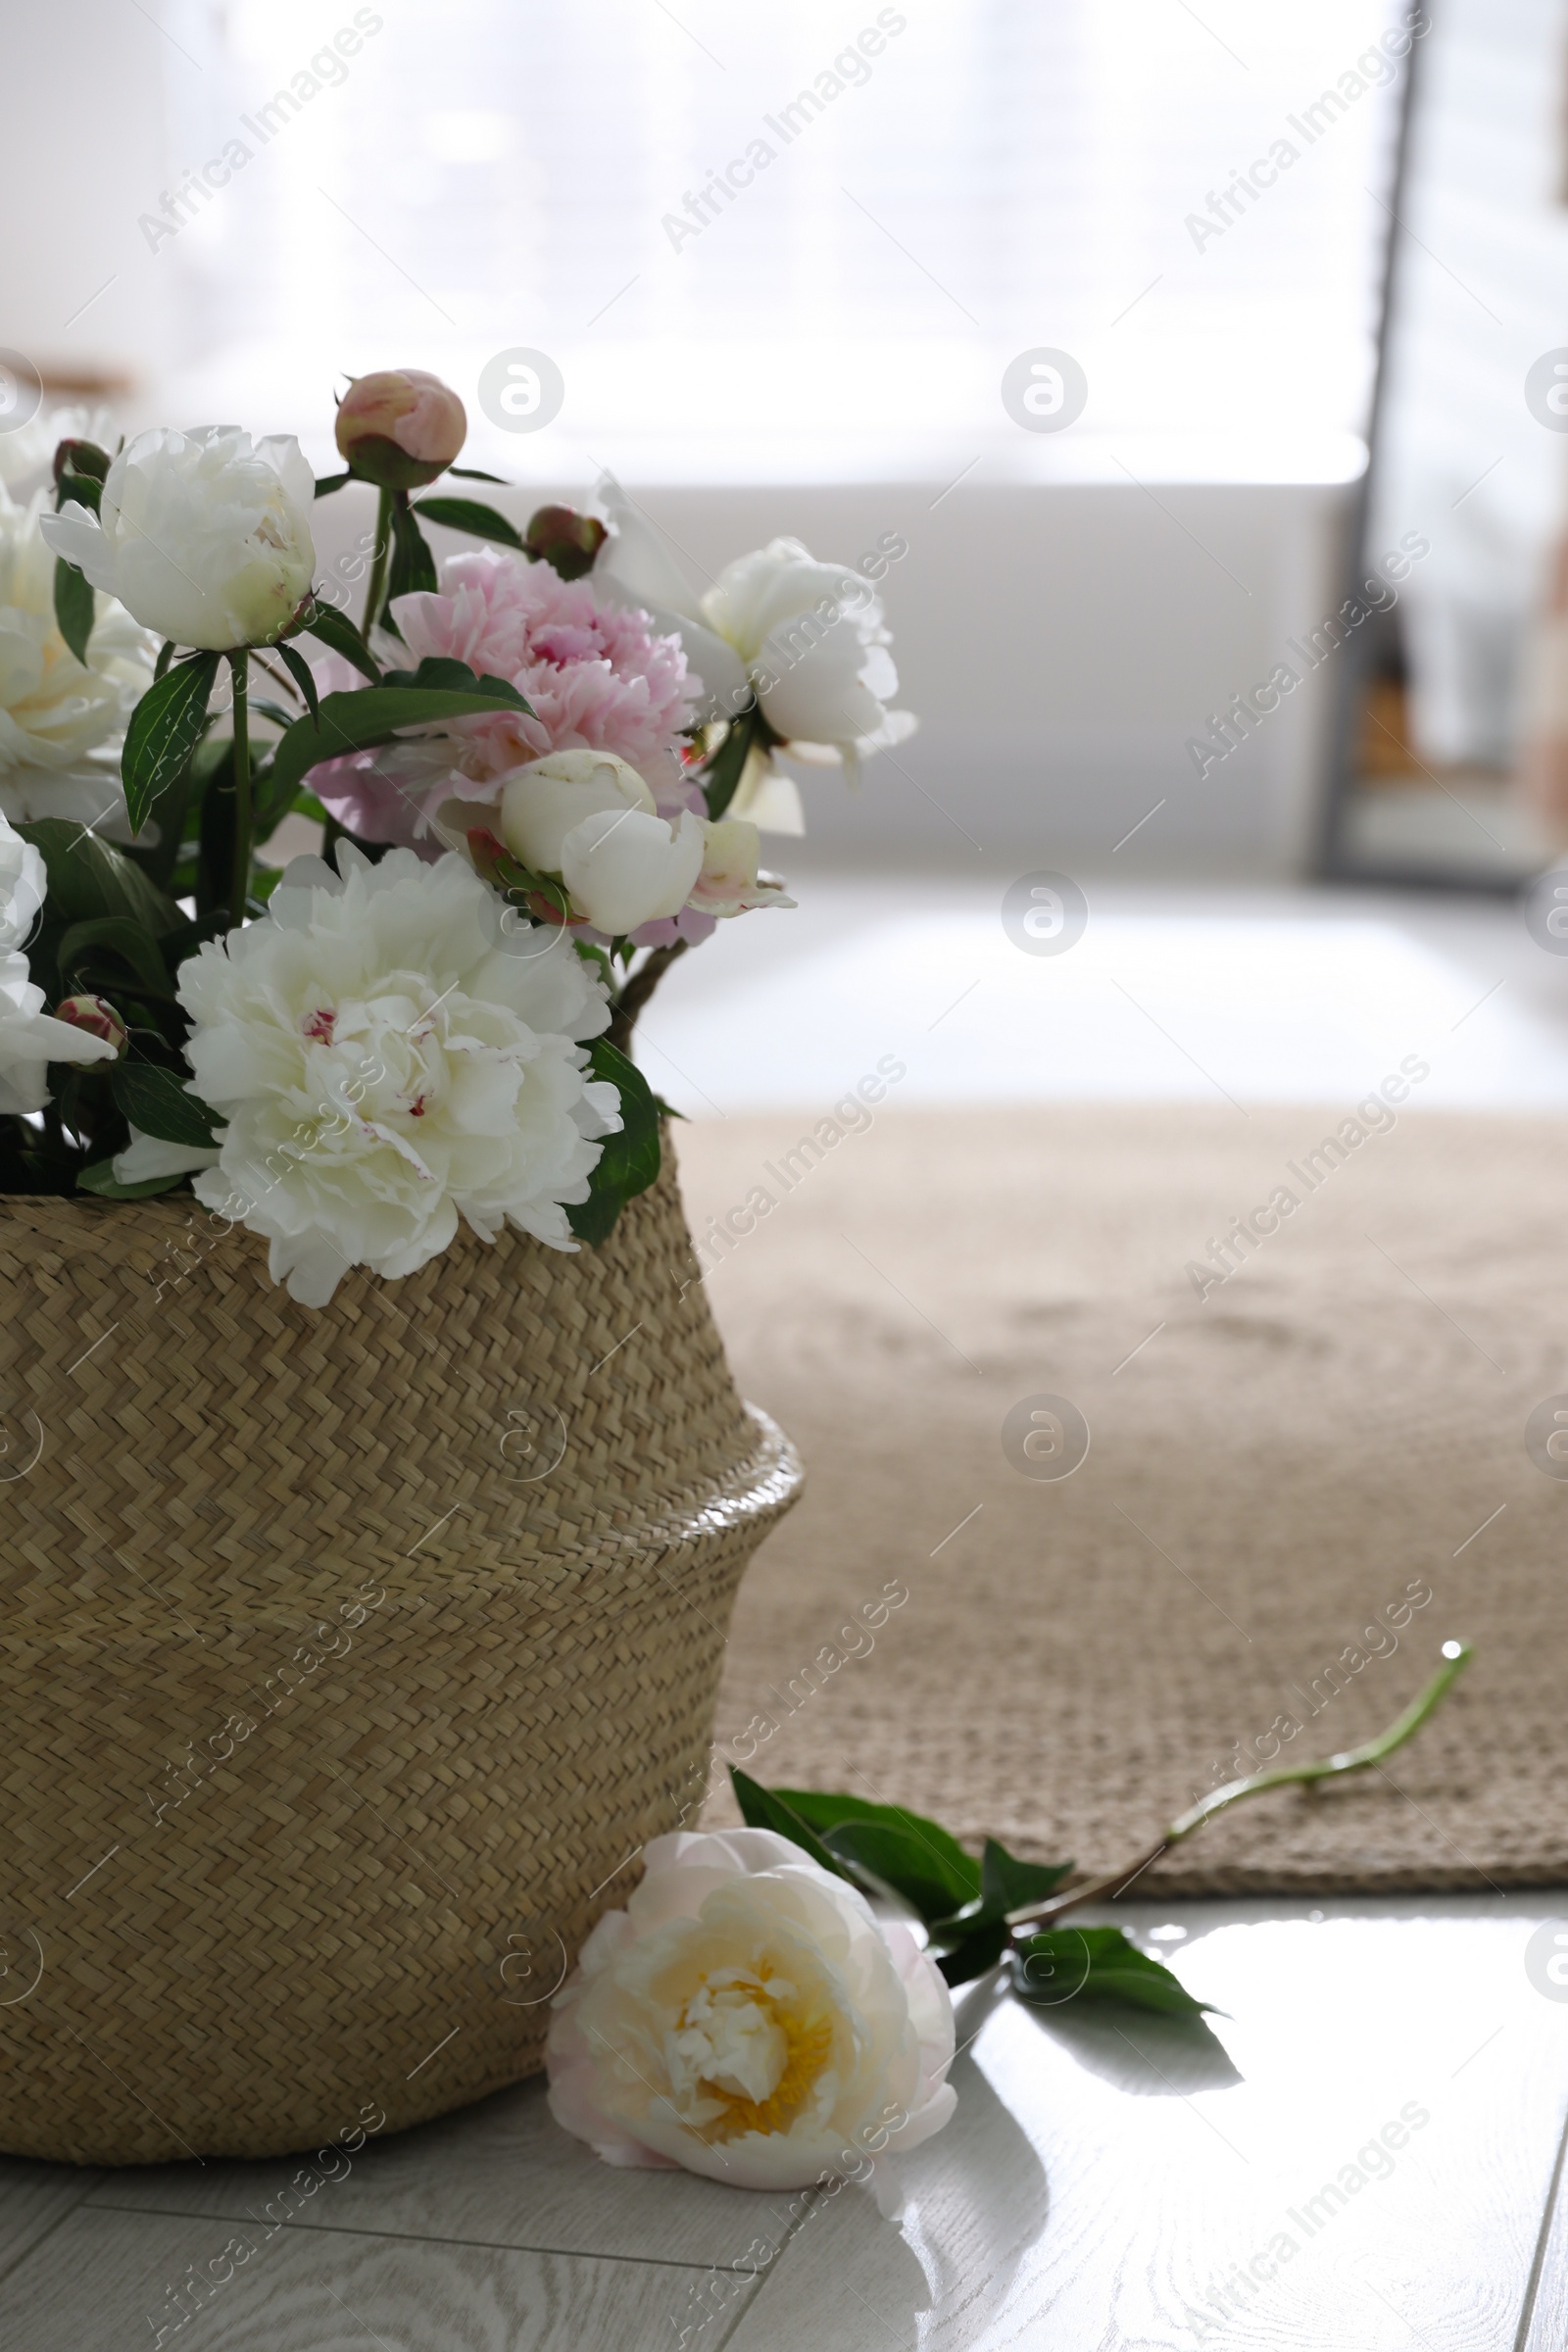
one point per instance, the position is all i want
(775, 238)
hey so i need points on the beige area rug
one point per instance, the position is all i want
(1274, 1469)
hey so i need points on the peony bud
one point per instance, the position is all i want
(400, 428)
(633, 868)
(82, 457)
(566, 540)
(97, 1016)
(541, 803)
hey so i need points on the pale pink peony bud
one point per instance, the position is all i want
(400, 428)
(97, 1016)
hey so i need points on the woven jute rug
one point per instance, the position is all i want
(1299, 1481)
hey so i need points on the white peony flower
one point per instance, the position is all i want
(29, 1037)
(204, 538)
(23, 887)
(389, 1059)
(806, 638)
(747, 2016)
(55, 713)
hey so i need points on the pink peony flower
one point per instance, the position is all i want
(379, 795)
(691, 924)
(598, 677)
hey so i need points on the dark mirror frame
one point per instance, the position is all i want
(1334, 860)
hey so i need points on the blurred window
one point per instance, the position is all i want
(807, 238)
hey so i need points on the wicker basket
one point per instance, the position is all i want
(350, 1658)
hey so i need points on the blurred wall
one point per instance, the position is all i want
(85, 147)
(1062, 647)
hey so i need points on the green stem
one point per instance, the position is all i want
(720, 779)
(378, 562)
(1456, 1656)
(240, 883)
(637, 991)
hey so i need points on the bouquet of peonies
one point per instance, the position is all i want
(540, 769)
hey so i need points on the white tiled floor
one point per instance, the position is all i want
(1109, 2183)
(1356, 2157)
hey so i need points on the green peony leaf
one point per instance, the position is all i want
(1097, 1964)
(336, 629)
(326, 483)
(765, 1809)
(264, 705)
(1008, 1885)
(366, 716)
(630, 1160)
(88, 878)
(919, 1859)
(120, 936)
(720, 778)
(299, 670)
(902, 1857)
(100, 1179)
(591, 953)
(159, 847)
(412, 566)
(440, 674)
(976, 1937)
(471, 515)
(975, 1956)
(75, 607)
(165, 729)
(154, 1100)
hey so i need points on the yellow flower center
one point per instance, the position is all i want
(753, 2047)
(808, 2045)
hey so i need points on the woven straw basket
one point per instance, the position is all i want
(350, 1657)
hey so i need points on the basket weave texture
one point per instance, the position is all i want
(350, 1658)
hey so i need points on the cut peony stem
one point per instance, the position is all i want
(1456, 1655)
(378, 562)
(637, 991)
(239, 885)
